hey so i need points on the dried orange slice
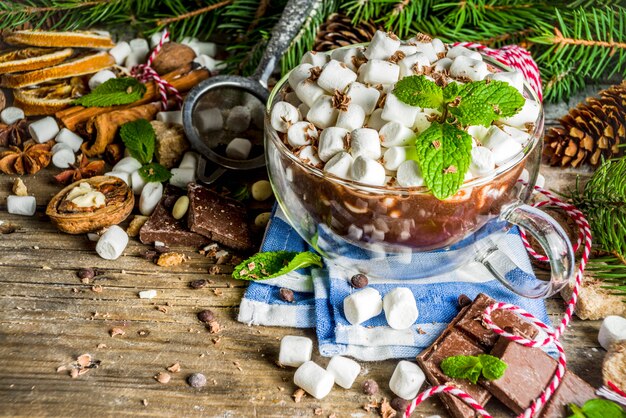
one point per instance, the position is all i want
(50, 97)
(76, 39)
(28, 59)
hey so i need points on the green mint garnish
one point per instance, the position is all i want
(471, 367)
(116, 91)
(139, 138)
(154, 172)
(444, 149)
(268, 265)
(597, 408)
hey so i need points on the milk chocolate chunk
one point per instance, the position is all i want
(571, 390)
(219, 218)
(529, 370)
(164, 228)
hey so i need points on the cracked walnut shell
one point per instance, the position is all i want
(70, 218)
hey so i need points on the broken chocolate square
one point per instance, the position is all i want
(219, 218)
(571, 390)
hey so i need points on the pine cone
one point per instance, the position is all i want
(591, 130)
(339, 31)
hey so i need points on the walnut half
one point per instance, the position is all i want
(75, 219)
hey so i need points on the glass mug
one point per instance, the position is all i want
(407, 233)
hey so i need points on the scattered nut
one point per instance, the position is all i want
(117, 331)
(286, 294)
(163, 377)
(262, 219)
(214, 327)
(198, 284)
(170, 259)
(399, 404)
(463, 300)
(298, 395)
(261, 190)
(174, 368)
(206, 316)
(19, 188)
(359, 281)
(180, 207)
(84, 360)
(370, 387)
(136, 224)
(196, 380)
(86, 273)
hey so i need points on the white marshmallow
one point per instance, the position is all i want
(422, 121)
(181, 177)
(11, 114)
(344, 370)
(189, 160)
(427, 49)
(406, 380)
(257, 113)
(351, 119)
(203, 48)
(368, 171)
(382, 46)
(407, 49)
(438, 45)
(314, 380)
(294, 350)
(209, 120)
(62, 156)
(120, 52)
(99, 78)
(122, 175)
(137, 182)
(316, 59)
(348, 56)
(379, 72)
(238, 119)
(210, 63)
(140, 47)
(413, 64)
(458, 51)
(394, 156)
(174, 117)
(322, 113)
(332, 140)
(339, 165)
(69, 138)
(528, 114)
(501, 144)
(364, 96)
(127, 165)
(396, 134)
(613, 329)
(464, 66)
(150, 196)
(44, 129)
(335, 76)
(400, 308)
(133, 60)
(299, 74)
(283, 115)
(21, 205)
(148, 294)
(514, 78)
(93, 237)
(541, 180)
(375, 120)
(362, 305)
(188, 39)
(238, 148)
(308, 91)
(156, 38)
(409, 174)
(517, 134)
(112, 243)
(365, 142)
(301, 133)
(398, 111)
(309, 156)
(482, 161)
(443, 64)
(477, 132)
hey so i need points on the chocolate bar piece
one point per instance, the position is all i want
(528, 372)
(571, 390)
(219, 218)
(164, 228)
(454, 344)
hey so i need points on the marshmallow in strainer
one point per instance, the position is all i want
(368, 171)
(365, 142)
(239, 148)
(112, 243)
(209, 119)
(283, 115)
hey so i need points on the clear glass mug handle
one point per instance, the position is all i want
(550, 236)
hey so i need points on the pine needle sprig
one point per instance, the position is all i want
(611, 270)
(182, 19)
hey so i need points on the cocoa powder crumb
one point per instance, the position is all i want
(198, 284)
(101, 345)
(144, 402)
(86, 273)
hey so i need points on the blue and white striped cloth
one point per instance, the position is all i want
(319, 295)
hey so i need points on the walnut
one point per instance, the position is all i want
(172, 57)
(28, 160)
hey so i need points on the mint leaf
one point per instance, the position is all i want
(139, 138)
(417, 90)
(451, 91)
(493, 367)
(116, 91)
(482, 102)
(462, 367)
(597, 408)
(443, 154)
(267, 265)
(154, 172)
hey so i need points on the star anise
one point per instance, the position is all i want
(14, 134)
(28, 160)
(83, 170)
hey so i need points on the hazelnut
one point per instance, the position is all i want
(359, 281)
(172, 57)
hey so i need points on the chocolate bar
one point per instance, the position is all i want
(220, 219)
(571, 390)
(164, 228)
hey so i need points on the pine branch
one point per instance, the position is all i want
(611, 270)
(194, 13)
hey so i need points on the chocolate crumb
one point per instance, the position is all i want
(359, 281)
(86, 273)
(196, 380)
(198, 284)
(463, 300)
(215, 269)
(370, 387)
(318, 411)
(174, 368)
(399, 405)
(286, 294)
(163, 377)
(161, 249)
(149, 255)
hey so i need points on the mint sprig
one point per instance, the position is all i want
(444, 149)
(267, 265)
(140, 141)
(113, 92)
(597, 408)
(154, 172)
(471, 367)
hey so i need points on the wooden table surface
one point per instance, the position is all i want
(48, 318)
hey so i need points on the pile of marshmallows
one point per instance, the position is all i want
(333, 119)
(406, 380)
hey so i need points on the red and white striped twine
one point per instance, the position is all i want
(612, 392)
(145, 73)
(517, 57)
